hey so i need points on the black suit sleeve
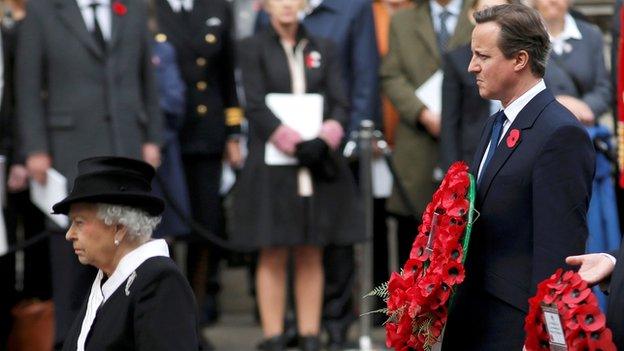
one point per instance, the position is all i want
(452, 93)
(164, 317)
(334, 89)
(227, 81)
(30, 83)
(261, 119)
(562, 178)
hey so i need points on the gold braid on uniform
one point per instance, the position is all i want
(233, 116)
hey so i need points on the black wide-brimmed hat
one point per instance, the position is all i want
(113, 180)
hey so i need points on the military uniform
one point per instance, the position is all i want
(201, 32)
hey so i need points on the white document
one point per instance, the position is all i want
(301, 112)
(45, 196)
(430, 92)
(382, 179)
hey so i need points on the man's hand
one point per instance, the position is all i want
(285, 139)
(233, 153)
(37, 165)
(578, 107)
(431, 121)
(594, 267)
(332, 133)
(18, 179)
(151, 154)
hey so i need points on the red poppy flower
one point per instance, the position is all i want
(119, 8)
(601, 341)
(576, 295)
(512, 138)
(590, 318)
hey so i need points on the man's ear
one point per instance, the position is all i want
(521, 60)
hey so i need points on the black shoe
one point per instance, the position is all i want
(275, 343)
(337, 339)
(309, 343)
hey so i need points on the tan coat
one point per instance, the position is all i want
(412, 59)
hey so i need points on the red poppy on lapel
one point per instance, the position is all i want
(313, 60)
(119, 9)
(512, 138)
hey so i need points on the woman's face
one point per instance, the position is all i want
(284, 12)
(552, 10)
(92, 240)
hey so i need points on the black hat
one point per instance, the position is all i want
(113, 180)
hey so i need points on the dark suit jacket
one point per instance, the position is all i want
(75, 100)
(464, 111)
(7, 104)
(159, 313)
(615, 309)
(350, 25)
(203, 40)
(533, 201)
(581, 72)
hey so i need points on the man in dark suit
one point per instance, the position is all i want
(201, 31)
(84, 88)
(534, 167)
(604, 268)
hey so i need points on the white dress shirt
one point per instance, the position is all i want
(177, 5)
(103, 16)
(453, 7)
(511, 112)
(125, 270)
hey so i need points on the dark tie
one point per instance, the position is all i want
(497, 130)
(97, 30)
(443, 33)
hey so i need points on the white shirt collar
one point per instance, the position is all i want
(176, 5)
(125, 269)
(84, 4)
(570, 31)
(454, 7)
(517, 105)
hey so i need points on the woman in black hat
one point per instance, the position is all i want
(139, 299)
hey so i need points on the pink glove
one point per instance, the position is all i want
(332, 133)
(285, 139)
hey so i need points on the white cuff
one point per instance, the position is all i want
(613, 259)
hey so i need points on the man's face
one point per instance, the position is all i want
(494, 72)
(92, 240)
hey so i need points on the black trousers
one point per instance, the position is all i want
(203, 176)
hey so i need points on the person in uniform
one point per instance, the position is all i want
(201, 32)
(139, 299)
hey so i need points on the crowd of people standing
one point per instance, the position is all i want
(183, 85)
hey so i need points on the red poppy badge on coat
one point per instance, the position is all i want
(513, 138)
(119, 9)
(313, 60)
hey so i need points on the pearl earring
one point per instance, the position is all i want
(116, 242)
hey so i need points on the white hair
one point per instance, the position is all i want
(138, 223)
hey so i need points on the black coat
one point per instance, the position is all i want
(158, 313)
(464, 111)
(205, 52)
(615, 309)
(267, 209)
(7, 104)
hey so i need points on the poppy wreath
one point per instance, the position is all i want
(584, 325)
(418, 298)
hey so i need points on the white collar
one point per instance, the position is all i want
(454, 7)
(177, 5)
(570, 30)
(83, 4)
(132, 261)
(512, 111)
(314, 3)
(125, 269)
